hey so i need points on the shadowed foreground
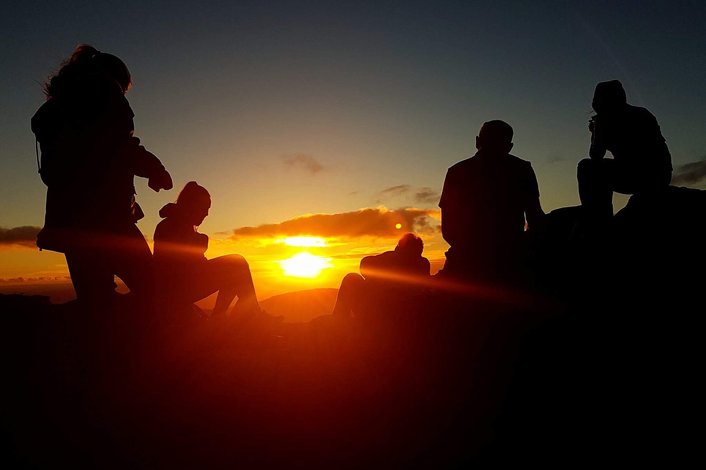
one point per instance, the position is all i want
(496, 386)
(116, 389)
(599, 362)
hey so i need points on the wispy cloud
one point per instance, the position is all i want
(23, 236)
(691, 173)
(303, 162)
(370, 222)
(398, 190)
(426, 195)
(423, 195)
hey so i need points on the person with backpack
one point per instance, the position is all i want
(89, 158)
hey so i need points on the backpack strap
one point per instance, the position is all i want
(36, 150)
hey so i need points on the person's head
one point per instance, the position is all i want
(410, 245)
(193, 203)
(495, 137)
(87, 61)
(609, 96)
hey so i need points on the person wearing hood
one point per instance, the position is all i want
(89, 158)
(184, 275)
(641, 162)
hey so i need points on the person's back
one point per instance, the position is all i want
(388, 281)
(488, 193)
(179, 250)
(484, 203)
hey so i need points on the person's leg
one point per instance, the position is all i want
(231, 274)
(91, 277)
(131, 261)
(596, 184)
(349, 295)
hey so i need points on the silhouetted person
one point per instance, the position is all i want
(641, 161)
(390, 279)
(89, 157)
(184, 274)
(484, 203)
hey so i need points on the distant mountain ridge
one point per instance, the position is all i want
(303, 305)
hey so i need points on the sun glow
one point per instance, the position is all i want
(304, 241)
(305, 265)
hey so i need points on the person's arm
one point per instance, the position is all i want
(143, 162)
(534, 214)
(598, 148)
(533, 208)
(450, 218)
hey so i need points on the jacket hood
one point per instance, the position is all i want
(169, 210)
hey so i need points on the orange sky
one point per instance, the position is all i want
(337, 241)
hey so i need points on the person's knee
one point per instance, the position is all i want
(352, 279)
(236, 267)
(585, 167)
(236, 261)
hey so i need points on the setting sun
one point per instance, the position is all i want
(305, 265)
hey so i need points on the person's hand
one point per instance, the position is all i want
(161, 180)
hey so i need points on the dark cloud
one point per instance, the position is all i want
(304, 162)
(555, 158)
(396, 190)
(23, 236)
(423, 195)
(426, 196)
(375, 222)
(691, 173)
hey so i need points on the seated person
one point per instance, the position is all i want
(184, 275)
(387, 280)
(641, 163)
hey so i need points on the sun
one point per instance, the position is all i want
(305, 265)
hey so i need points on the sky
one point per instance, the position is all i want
(349, 112)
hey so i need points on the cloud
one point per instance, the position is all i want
(398, 190)
(691, 173)
(555, 158)
(23, 236)
(371, 222)
(304, 162)
(424, 195)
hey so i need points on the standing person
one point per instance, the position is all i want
(486, 202)
(89, 158)
(390, 280)
(641, 162)
(184, 275)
